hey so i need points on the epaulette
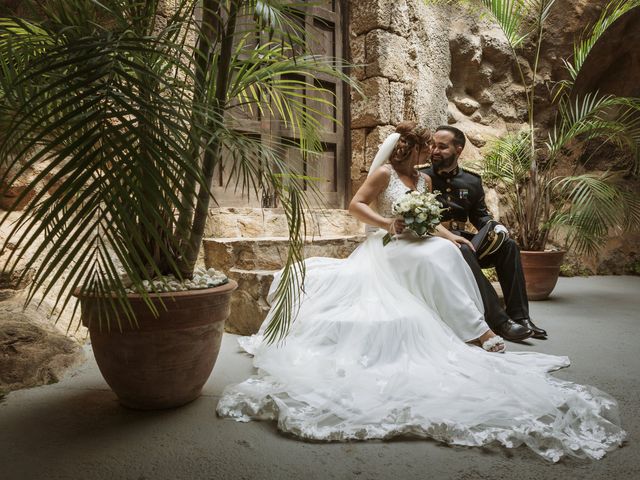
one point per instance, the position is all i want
(424, 165)
(472, 170)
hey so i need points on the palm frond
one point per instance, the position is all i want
(118, 144)
(612, 119)
(508, 159)
(126, 120)
(594, 205)
(511, 17)
(542, 8)
(613, 11)
(291, 284)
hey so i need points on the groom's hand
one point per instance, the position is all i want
(501, 228)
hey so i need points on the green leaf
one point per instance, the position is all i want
(125, 119)
(613, 11)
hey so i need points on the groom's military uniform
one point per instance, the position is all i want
(461, 193)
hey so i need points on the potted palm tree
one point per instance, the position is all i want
(127, 109)
(576, 207)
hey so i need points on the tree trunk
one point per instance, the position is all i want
(210, 29)
(212, 154)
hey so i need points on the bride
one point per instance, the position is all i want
(378, 348)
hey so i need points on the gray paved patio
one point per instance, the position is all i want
(76, 429)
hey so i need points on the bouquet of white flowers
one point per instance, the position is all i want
(421, 213)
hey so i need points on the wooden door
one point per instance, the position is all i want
(323, 24)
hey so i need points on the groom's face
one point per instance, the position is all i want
(444, 153)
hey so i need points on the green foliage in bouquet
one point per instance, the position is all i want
(421, 213)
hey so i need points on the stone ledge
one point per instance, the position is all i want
(270, 253)
(225, 222)
(253, 262)
(249, 305)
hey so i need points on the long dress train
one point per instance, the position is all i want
(377, 351)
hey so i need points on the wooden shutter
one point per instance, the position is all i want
(323, 24)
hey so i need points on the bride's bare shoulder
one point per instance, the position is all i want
(373, 185)
(382, 172)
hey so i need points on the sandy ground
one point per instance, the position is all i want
(76, 430)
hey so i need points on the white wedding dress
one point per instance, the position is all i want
(377, 351)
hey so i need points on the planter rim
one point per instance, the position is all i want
(229, 286)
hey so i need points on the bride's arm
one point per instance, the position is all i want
(443, 232)
(367, 193)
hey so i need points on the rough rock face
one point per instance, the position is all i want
(18, 195)
(449, 65)
(613, 65)
(11, 285)
(32, 353)
(486, 94)
(485, 98)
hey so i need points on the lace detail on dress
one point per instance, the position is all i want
(376, 351)
(395, 190)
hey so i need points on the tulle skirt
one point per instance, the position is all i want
(378, 350)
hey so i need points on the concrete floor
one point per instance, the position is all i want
(76, 429)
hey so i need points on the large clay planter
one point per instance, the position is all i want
(164, 361)
(541, 271)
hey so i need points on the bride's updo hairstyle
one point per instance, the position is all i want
(411, 134)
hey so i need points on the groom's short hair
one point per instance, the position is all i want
(459, 139)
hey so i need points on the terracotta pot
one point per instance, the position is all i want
(164, 361)
(541, 271)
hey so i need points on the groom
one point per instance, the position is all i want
(462, 193)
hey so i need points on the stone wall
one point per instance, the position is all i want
(443, 64)
(432, 64)
(401, 54)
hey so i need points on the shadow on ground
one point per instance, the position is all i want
(76, 429)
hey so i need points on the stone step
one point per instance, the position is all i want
(229, 222)
(250, 245)
(270, 253)
(249, 305)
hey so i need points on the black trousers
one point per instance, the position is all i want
(509, 270)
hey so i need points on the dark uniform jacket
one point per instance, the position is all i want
(461, 192)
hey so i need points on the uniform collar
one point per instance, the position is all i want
(450, 174)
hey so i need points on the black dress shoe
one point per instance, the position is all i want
(513, 331)
(537, 331)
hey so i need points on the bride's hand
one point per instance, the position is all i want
(458, 241)
(395, 226)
